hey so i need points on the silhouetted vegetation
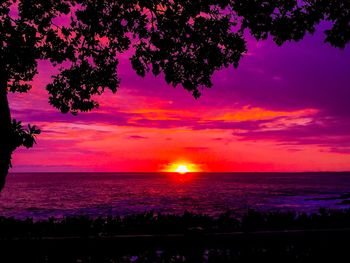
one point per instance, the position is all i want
(149, 237)
(184, 41)
(151, 223)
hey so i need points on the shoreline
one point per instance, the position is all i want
(194, 245)
(151, 223)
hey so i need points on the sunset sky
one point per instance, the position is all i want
(283, 109)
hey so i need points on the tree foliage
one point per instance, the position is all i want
(184, 41)
(22, 136)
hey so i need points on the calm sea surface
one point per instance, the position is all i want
(40, 195)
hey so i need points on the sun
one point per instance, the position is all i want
(182, 169)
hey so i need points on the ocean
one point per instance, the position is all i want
(43, 195)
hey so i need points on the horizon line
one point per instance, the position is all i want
(125, 172)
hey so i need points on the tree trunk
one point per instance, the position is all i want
(5, 132)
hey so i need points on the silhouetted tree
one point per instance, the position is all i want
(184, 40)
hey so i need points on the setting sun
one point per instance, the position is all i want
(182, 169)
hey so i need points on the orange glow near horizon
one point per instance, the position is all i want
(182, 168)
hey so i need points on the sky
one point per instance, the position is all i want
(284, 109)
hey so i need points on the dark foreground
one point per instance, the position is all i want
(256, 237)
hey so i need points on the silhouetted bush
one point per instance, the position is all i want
(151, 223)
(149, 237)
